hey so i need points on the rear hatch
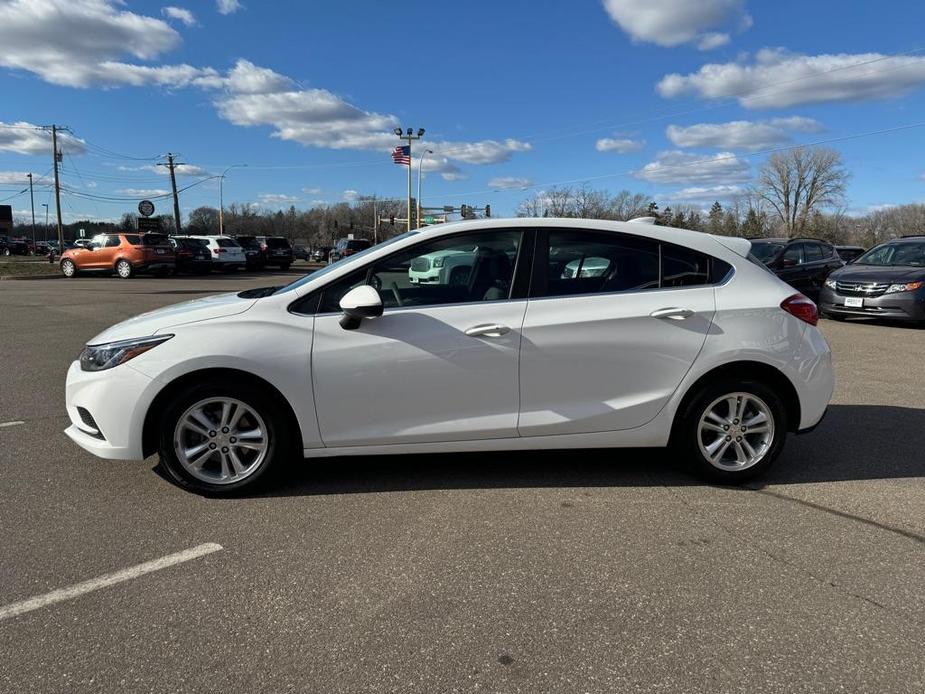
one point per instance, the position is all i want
(278, 247)
(228, 251)
(157, 248)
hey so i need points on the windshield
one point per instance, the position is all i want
(766, 251)
(277, 243)
(352, 259)
(227, 243)
(248, 242)
(895, 254)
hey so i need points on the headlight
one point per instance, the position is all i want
(438, 262)
(110, 354)
(908, 287)
(830, 283)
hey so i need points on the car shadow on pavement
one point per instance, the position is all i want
(853, 442)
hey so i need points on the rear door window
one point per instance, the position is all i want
(812, 252)
(794, 253)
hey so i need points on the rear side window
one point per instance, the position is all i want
(794, 253)
(112, 241)
(812, 252)
(277, 243)
(682, 267)
(588, 262)
(133, 239)
(227, 243)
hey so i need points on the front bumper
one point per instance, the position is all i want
(903, 306)
(118, 400)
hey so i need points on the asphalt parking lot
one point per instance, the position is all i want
(563, 571)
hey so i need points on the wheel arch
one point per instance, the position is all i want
(758, 371)
(149, 436)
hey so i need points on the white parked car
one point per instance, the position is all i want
(227, 254)
(681, 341)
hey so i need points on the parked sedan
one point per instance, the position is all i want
(682, 341)
(886, 282)
(802, 263)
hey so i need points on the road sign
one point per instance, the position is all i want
(146, 207)
(148, 224)
(428, 219)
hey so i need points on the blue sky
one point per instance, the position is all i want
(677, 99)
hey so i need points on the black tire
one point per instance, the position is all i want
(280, 435)
(68, 268)
(284, 267)
(6, 252)
(686, 437)
(124, 269)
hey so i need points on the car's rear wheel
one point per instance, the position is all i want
(732, 430)
(217, 439)
(124, 269)
(68, 269)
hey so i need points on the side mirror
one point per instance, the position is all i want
(357, 304)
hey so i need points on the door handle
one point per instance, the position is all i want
(673, 313)
(488, 330)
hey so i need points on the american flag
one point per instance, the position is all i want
(402, 155)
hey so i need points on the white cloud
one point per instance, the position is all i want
(619, 145)
(510, 183)
(228, 6)
(21, 178)
(276, 199)
(482, 152)
(351, 195)
(27, 138)
(704, 193)
(723, 168)
(81, 43)
(247, 78)
(144, 192)
(312, 191)
(180, 169)
(741, 134)
(674, 22)
(434, 163)
(778, 79)
(181, 14)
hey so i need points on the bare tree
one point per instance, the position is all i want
(800, 181)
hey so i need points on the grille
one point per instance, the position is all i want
(861, 288)
(420, 264)
(87, 419)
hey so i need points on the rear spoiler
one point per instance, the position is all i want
(736, 244)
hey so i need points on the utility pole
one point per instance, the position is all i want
(409, 136)
(171, 165)
(57, 157)
(32, 204)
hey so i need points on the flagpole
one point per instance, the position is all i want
(409, 136)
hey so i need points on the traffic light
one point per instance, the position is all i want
(487, 211)
(392, 219)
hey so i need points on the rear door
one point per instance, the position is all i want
(613, 324)
(791, 267)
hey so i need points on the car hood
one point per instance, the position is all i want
(878, 273)
(162, 319)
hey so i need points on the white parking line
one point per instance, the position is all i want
(10, 424)
(17, 608)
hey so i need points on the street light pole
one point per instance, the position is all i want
(420, 171)
(45, 205)
(32, 204)
(221, 198)
(409, 136)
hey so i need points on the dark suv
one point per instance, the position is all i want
(345, 247)
(802, 263)
(279, 252)
(886, 282)
(255, 252)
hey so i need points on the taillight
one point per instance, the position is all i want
(802, 307)
(216, 251)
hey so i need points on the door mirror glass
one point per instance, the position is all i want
(357, 304)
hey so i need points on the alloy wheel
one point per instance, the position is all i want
(736, 431)
(221, 440)
(124, 268)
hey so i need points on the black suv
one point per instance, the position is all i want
(346, 247)
(802, 263)
(279, 252)
(886, 282)
(255, 252)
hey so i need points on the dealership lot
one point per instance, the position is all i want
(565, 571)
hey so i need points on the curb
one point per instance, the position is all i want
(56, 276)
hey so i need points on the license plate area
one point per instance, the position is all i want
(854, 302)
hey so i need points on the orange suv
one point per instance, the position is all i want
(124, 253)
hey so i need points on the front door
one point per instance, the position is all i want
(613, 325)
(440, 364)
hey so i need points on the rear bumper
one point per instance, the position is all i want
(903, 306)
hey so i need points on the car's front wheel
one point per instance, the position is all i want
(217, 439)
(732, 430)
(68, 269)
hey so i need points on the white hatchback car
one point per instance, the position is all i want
(227, 254)
(676, 338)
